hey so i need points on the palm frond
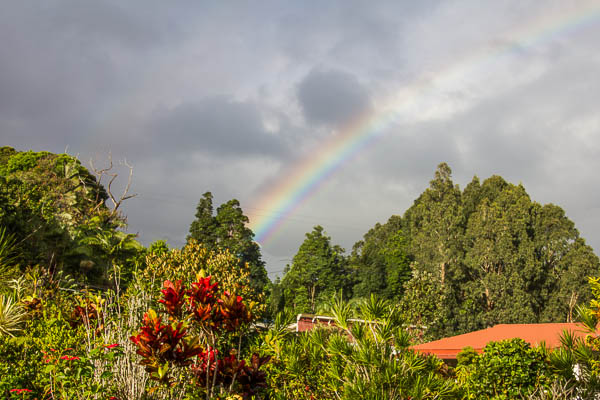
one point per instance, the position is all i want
(8, 255)
(340, 310)
(12, 316)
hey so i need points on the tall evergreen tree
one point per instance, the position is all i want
(226, 229)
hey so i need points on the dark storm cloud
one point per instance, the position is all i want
(60, 63)
(215, 126)
(331, 97)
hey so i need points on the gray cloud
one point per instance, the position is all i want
(215, 126)
(331, 97)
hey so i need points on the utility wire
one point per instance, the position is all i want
(264, 213)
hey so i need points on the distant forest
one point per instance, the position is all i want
(455, 262)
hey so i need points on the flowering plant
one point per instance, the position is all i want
(21, 393)
(66, 371)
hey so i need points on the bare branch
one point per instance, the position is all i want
(112, 176)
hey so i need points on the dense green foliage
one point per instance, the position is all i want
(353, 359)
(159, 327)
(459, 261)
(317, 273)
(55, 210)
(498, 256)
(508, 369)
(578, 361)
(380, 262)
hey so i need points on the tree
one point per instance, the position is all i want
(435, 227)
(227, 230)
(422, 306)
(53, 206)
(498, 256)
(502, 271)
(380, 262)
(564, 287)
(316, 274)
(524, 262)
(436, 224)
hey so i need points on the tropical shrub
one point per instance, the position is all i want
(62, 351)
(367, 358)
(22, 357)
(188, 344)
(193, 260)
(507, 369)
(12, 316)
(578, 360)
(8, 258)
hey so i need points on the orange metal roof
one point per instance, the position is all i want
(534, 334)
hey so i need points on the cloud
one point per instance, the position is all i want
(331, 97)
(214, 126)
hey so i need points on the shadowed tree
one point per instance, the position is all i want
(226, 229)
(380, 262)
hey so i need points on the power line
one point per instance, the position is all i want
(265, 213)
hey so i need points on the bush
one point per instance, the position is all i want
(22, 364)
(507, 369)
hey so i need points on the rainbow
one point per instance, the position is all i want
(305, 178)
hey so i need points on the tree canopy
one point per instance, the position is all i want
(456, 261)
(55, 209)
(498, 256)
(317, 273)
(380, 262)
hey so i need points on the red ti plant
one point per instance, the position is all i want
(229, 370)
(251, 378)
(173, 298)
(232, 312)
(160, 344)
(213, 312)
(202, 299)
(203, 292)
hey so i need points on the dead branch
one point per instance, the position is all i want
(112, 176)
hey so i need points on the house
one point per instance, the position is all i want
(306, 322)
(448, 348)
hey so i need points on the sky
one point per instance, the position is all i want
(254, 100)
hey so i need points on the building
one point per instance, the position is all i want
(448, 348)
(306, 322)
